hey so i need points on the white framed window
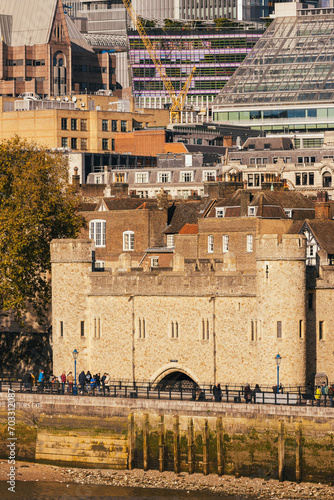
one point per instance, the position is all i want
(128, 240)
(225, 243)
(164, 177)
(251, 211)
(154, 261)
(97, 232)
(220, 212)
(99, 264)
(141, 177)
(288, 212)
(209, 175)
(186, 176)
(170, 240)
(250, 240)
(120, 176)
(210, 243)
(311, 250)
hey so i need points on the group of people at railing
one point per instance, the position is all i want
(97, 384)
(87, 383)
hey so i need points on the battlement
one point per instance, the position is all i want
(169, 283)
(285, 247)
(72, 251)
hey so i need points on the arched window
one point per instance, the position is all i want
(128, 241)
(326, 180)
(97, 232)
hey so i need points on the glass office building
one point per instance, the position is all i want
(286, 83)
(216, 53)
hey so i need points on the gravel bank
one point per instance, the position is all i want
(227, 485)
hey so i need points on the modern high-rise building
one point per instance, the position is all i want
(286, 83)
(175, 9)
(216, 53)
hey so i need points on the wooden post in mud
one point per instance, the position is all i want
(131, 441)
(176, 435)
(191, 464)
(205, 448)
(146, 441)
(220, 446)
(161, 444)
(281, 451)
(299, 452)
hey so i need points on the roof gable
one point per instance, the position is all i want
(27, 22)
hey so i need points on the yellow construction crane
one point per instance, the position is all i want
(177, 101)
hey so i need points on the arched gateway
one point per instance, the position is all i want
(176, 380)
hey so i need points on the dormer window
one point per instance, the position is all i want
(251, 146)
(288, 212)
(251, 211)
(266, 145)
(220, 212)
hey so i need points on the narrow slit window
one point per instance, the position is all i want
(279, 329)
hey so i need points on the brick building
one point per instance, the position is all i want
(42, 52)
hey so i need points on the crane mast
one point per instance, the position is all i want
(177, 101)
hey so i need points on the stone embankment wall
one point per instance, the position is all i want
(295, 443)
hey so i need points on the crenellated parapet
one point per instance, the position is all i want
(281, 247)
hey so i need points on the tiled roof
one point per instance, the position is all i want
(273, 204)
(189, 229)
(180, 214)
(122, 204)
(276, 143)
(323, 231)
(87, 207)
(130, 204)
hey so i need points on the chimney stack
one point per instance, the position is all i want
(322, 206)
(76, 179)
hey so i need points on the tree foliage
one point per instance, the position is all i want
(36, 205)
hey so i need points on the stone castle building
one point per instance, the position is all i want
(238, 293)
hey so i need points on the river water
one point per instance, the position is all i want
(62, 491)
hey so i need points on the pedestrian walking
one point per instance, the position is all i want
(70, 380)
(82, 382)
(318, 394)
(248, 394)
(41, 379)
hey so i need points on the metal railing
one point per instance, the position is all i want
(299, 396)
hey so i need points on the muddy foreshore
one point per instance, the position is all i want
(226, 485)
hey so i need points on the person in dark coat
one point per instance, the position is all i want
(248, 394)
(219, 393)
(82, 381)
(215, 392)
(97, 381)
(27, 381)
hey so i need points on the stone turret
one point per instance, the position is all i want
(71, 261)
(281, 314)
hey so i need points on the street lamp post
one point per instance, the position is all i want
(75, 357)
(278, 362)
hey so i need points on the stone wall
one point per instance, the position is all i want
(204, 324)
(294, 443)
